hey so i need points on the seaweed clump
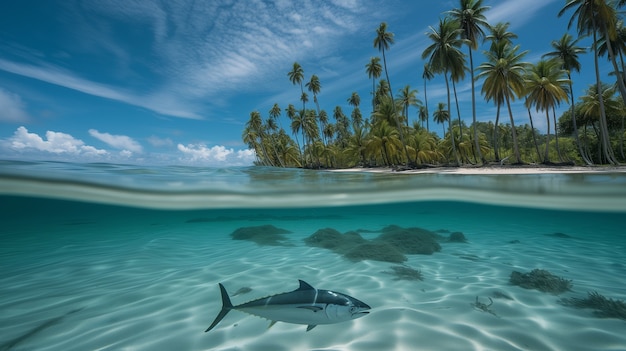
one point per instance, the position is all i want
(541, 280)
(457, 237)
(377, 251)
(405, 273)
(262, 235)
(410, 240)
(354, 247)
(604, 307)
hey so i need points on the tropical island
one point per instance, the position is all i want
(590, 132)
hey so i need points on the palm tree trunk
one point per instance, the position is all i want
(456, 155)
(495, 135)
(398, 124)
(609, 46)
(546, 156)
(604, 130)
(556, 135)
(476, 143)
(426, 104)
(532, 129)
(573, 114)
(458, 110)
(518, 158)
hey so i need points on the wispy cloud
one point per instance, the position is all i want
(12, 108)
(122, 142)
(516, 12)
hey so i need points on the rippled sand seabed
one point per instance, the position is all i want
(151, 284)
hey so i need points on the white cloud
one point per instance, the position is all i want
(54, 142)
(12, 108)
(122, 142)
(217, 155)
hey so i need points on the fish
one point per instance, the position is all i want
(305, 305)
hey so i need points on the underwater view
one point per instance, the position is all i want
(119, 257)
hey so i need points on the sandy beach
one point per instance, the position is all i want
(527, 169)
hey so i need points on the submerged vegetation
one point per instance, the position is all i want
(541, 280)
(603, 307)
(591, 132)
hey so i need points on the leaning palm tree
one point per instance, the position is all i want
(504, 80)
(374, 70)
(567, 51)
(546, 87)
(472, 20)
(382, 42)
(445, 57)
(586, 12)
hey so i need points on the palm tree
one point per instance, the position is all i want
(499, 34)
(587, 14)
(408, 97)
(472, 20)
(355, 101)
(374, 70)
(444, 55)
(567, 51)
(253, 131)
(422, 114)
(427, 74)
(546, 87)
(504, 80)
(383, 41)
(296, 75)
(441, 116)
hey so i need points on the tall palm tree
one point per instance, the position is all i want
(546, 87)
(374, 70)
(586, 12)
(499, 34)
(382, 42)
(408, 97)
(472, 20)
(296, 75)
(444, 56)
(427, 75)
(504, 80)
(567, 51)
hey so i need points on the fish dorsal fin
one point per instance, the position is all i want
(305, 286)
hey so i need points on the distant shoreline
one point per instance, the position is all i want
(492, 169)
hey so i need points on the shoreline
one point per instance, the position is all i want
(492, 170)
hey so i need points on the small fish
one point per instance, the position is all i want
(305, 305)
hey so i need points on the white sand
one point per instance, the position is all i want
(159, 292)
(493, 170)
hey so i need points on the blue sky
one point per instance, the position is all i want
(173, 82)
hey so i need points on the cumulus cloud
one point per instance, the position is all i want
(217, 155)
(54, 143)
(121, 142)
(12, 108)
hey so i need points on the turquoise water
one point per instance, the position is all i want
(116, 257)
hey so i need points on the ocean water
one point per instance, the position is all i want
(118, 257)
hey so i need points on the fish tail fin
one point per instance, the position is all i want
(226, 307)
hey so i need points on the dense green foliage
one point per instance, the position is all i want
(591, 132)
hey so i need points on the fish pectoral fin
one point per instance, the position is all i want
(310, 326)
(312, 308)
(271, 324)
